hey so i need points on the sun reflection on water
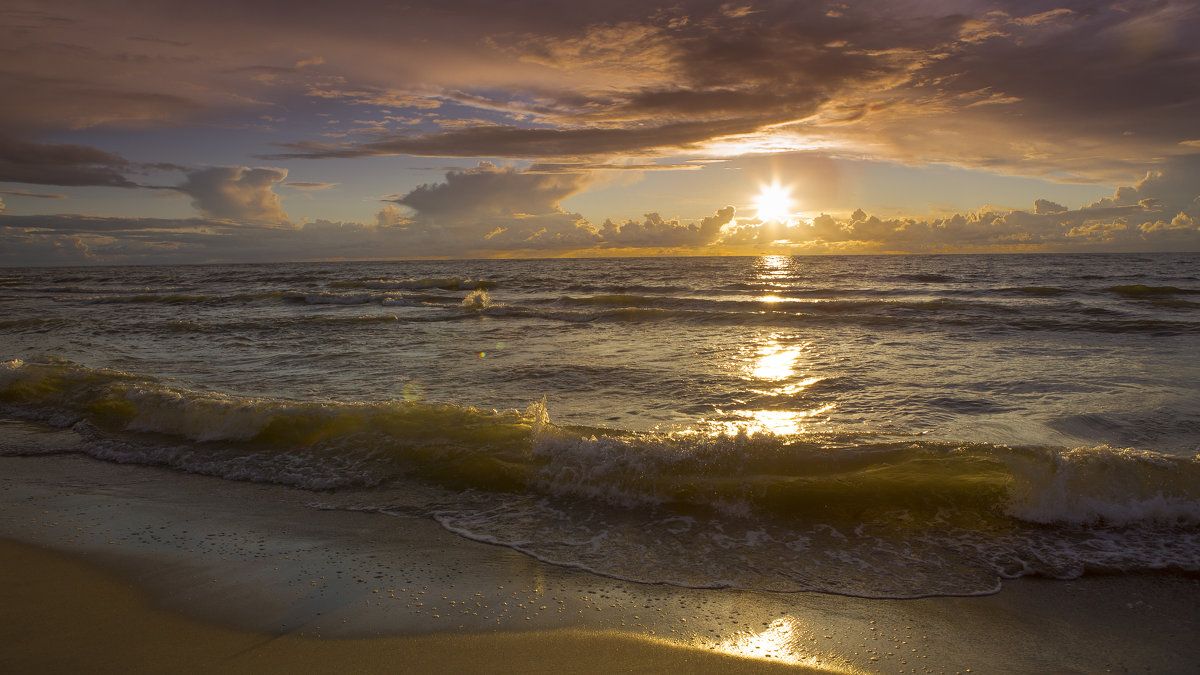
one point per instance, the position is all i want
(778, 367)
(790, 389)
(774, 264)
(779, 422)
(784, 422)
(775, 361)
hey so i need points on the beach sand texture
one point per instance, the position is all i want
(168, 572)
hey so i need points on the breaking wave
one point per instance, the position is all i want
(838, 512)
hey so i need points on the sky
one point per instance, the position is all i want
(232, 130)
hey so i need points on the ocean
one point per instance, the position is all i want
(872, 426)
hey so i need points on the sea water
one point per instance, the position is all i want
(868, 425)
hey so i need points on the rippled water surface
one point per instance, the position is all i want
(891, 426)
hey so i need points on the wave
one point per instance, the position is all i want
(611, 300)
(445, 284)
(764, 511)
(308, 444)
(635, 309)
(33, 324)
(165, 298)
(763, 472)
(782, 303)
(224, 328)
(326, 298)
(107, 297)
(1039, 291)
(925, 278)
(624, 289)
(1142, 291)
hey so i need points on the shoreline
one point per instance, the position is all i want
(60, 619)
(269, 571)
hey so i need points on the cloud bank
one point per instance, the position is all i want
(501, 211)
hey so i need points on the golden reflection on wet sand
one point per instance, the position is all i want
(783, 641)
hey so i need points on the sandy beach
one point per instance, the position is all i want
(68, 616)
(137, 569)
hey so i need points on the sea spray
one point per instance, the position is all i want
(477, 299)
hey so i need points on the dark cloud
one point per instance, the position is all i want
(1046, 206)
(36, 195)
(488, 190)
(517, 142)
(73, 224)
(492, 208)
(67, 165)
(306, 185)
(1072, 90)
(1056, 93)
(1010, 89)
(1172, 188)
(52, 103)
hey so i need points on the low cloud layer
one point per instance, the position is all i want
(501, 211)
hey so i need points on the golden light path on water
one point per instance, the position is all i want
(783, 422)
(773, 363)
(776, 364)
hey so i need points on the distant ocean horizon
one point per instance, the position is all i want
(878, 426)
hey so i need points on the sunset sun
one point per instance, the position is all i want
(774, 203)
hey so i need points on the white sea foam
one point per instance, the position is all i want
(1117, 486)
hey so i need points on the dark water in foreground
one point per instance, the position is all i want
(876, 426)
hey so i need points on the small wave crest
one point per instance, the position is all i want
(477, 299)
(1104, 485)
(325, 298)
(311, 444)
(1143, 291)
(163, 298)
(446, 284)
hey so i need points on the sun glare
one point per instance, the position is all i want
(774, 203)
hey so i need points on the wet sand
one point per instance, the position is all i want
(139, 569)
(71, 617)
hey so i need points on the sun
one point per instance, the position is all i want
(774, 203)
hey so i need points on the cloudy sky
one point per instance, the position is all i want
(180, 131)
